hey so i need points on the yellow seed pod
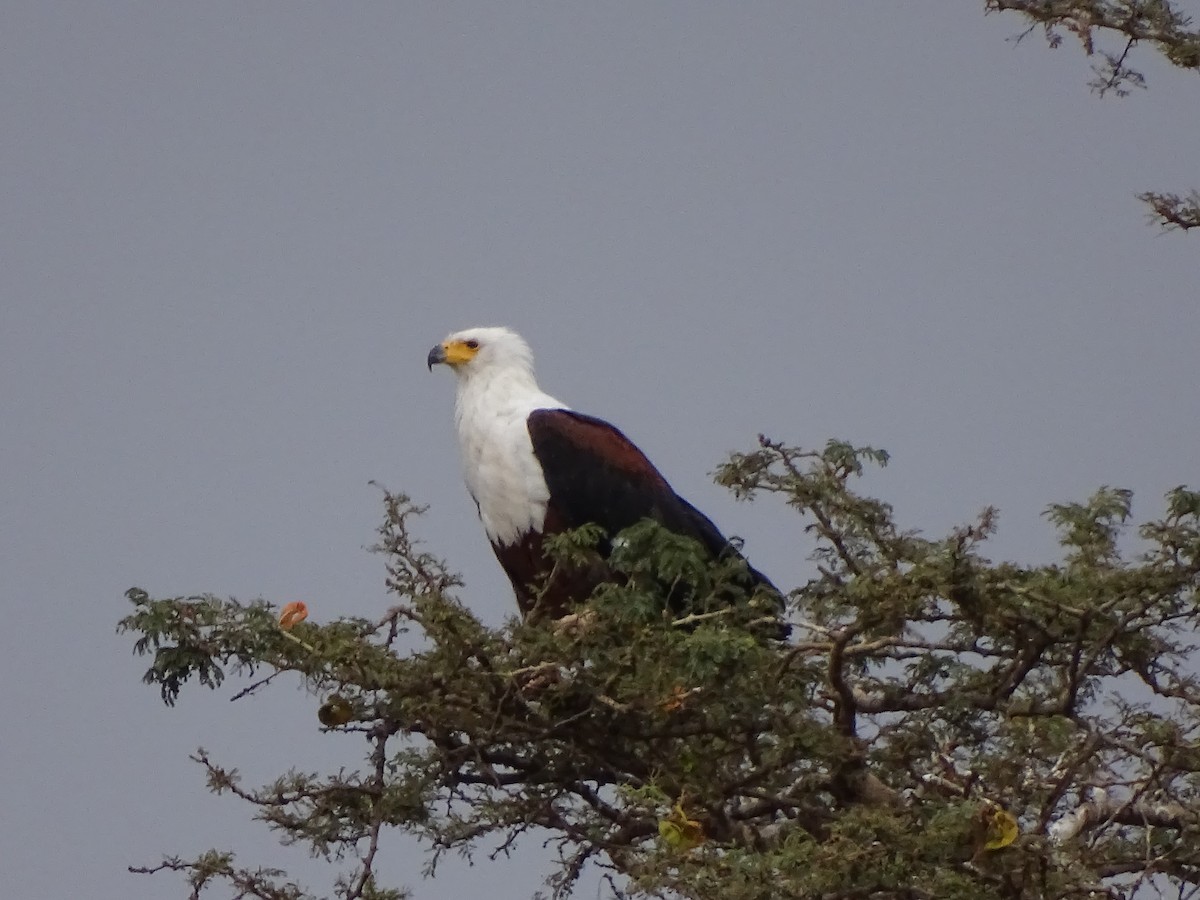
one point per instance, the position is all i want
(335, 711)
(679, 832)
(1001, 828)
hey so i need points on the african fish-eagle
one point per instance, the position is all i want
(535, 467)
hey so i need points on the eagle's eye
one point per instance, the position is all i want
(472, 344)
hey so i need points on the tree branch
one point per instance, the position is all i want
(1102, 808)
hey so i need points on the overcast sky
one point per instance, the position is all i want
(232, 231)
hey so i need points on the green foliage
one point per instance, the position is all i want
(1162, 24)
(1109, 31)
(925, 691)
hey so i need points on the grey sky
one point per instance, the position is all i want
(232, 231)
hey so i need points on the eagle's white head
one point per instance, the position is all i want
(482, 352)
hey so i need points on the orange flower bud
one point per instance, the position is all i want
(292, 613)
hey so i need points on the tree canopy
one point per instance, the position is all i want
(938, 725)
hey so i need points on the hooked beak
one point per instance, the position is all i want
(436, 355)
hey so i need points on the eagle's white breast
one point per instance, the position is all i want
(501, 471)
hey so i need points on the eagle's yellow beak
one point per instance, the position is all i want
(452, 353)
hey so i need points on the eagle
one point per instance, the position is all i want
(535, 468)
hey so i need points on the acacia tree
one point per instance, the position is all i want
(938, 725)
(1110, 31)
